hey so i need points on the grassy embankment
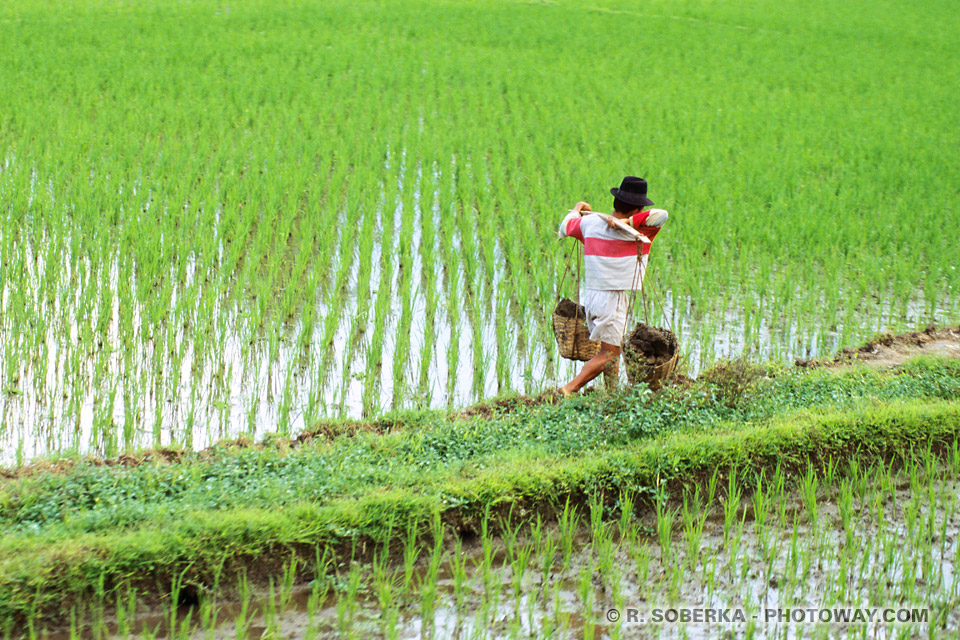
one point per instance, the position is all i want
(82, 528)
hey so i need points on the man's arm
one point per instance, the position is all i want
(652, 218)
(570, 226)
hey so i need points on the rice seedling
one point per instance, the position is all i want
(411, 552)
(458, 570)
(731, 503)
(809, 485)
(693, 517)
(761, 564)
(665, 519)
(568, 522)
(347, 604)
(428, 587)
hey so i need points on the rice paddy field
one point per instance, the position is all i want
(276, 285)
(238, 218)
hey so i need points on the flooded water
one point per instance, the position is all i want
(124, 379)
(152, 397)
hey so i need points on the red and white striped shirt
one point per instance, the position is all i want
(609, 254)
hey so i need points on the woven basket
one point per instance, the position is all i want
(654, 376)
(573, 337)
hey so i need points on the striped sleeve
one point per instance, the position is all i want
(570, 227)
(651, 218)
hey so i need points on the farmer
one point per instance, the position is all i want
(612, 269)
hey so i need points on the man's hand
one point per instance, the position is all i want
(580, 207)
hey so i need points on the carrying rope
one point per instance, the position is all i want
(643, 296)
(633, 294)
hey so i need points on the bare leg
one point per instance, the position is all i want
(608, 358)
(611, 373)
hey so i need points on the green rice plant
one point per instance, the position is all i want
(710, 574)
(174, 624)
(411, 552)
(845, 509)
(126, 610)
(209, 615)
(518, 567)
(313, 603)
(547, 555)
(244, 615)
(270, 612)
(731, 504)
(606, 554)
(761, 503)
(485, 562)
(586, 595)
(712, 487)
(458, 571)
(428, 586)
(665, 520)
(693, 519)
(598, 528)
(626, 528)
(809, 485)
(829, 473)
(287, 582)
(239, 226)
(566, 528)
(347, 604)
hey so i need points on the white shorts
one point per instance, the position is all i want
(606, 315)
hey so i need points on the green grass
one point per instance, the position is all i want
(62, 533)
(224, 217)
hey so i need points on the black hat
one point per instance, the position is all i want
(633, 190)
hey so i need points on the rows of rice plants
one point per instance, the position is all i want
(843, 537)
(224, 219)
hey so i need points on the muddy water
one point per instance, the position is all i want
(898, 550)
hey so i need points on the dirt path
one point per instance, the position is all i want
(893, 350)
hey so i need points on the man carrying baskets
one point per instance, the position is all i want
(614, 266)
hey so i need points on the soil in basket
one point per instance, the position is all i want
(653, 345)
(569, 309)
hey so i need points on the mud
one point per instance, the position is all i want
(510, 404)
(650, 345)
(890, 350)
(567, 308)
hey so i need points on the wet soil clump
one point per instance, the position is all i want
(567, 308)
(888, 350)
(650, 345)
